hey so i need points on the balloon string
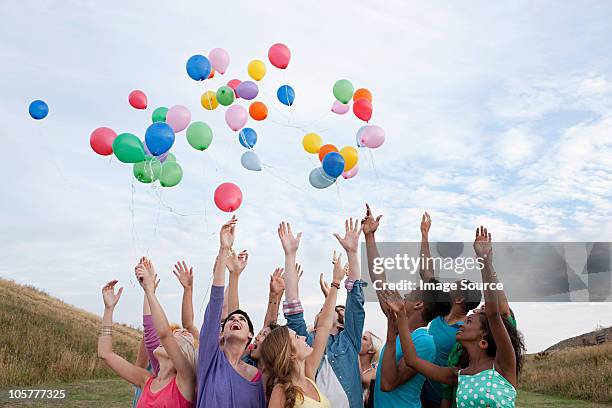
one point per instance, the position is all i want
(281, 178)
(372, 162)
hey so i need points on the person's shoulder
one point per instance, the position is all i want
(423, 339)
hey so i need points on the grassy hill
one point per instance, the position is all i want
(44, 340)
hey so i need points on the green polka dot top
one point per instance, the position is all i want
(487, 389)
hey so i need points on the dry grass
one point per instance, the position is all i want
(583, 373)
(44, 340)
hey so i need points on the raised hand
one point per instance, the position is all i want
(277, 283)
(482, 243)
(425, 224)
(109, 296)
(393, 301)
(369, 224)
(184, 274)
(350, 241)
(237, 262)
(288, 240)
(228, 233)
(324, 285)
(145, 273)
(338, 273)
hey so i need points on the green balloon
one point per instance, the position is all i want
(171, 174)
(170, 158)
(199, 135)
(128, 148)
(225, 95)
(148, 171)
(343, 90)
(159, 114)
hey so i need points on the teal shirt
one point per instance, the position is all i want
(407, 395)
(444, 338)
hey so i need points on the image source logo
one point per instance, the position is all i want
(526, 271)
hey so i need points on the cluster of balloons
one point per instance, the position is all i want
(334, 163)
(362, 100)
(249, 159)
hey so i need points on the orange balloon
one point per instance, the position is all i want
(362, 93)
(212, 73)
(328, 148)
(258, 110)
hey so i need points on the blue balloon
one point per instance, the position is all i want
(286, 95)
(333, 164)
(38, 109)
(247, 137)
(250, 161)
(159, 138)
(318, 178)
(359, 132)
(198, 67)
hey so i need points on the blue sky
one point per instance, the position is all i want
(497, 114)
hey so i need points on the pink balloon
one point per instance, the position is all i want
(219, 59)
(340, 108)
(138, 99)
(234, 85)
(178, 117)
(236, 117)
(372, 136)
(351, 173)
(228, 197)
(279, 55)
(101, 141)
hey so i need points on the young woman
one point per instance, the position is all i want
(368, 361)
(494, 346)
(291, 364)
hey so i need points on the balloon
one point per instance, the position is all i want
(198, 67)
(234, 85)
(169, 157)
(212, 74)
(101, 141)
(362, 93)
(247, 137)
(159, 114)
(219, 59)
(279, 55)
(162, 157)
(325, 149)
(258, 110)
(257, 69)
(159, 138)
(236, 117)
(138, 99)
(225, 95)
(209, 100)
(318, 178)
(250, 161)
(171, 174)
(351, 173)
(312, 143)
(350, 156)
(363, 109)
(247, 90)
(128, 148)
(147, 171)
(343, 90)
(333, 164)
(359, 135)
(178, 117)
(286, 95)
(199, 135)
(340, 108)
(372, 136)
(38, 109)
(228, 197)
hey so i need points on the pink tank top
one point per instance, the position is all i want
(167, 397)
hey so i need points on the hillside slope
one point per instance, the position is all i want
(586, 339)
(44, 340)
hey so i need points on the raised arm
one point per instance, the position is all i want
(142, 359)
(184, 274)
(275, 294)
(426, 269)
(505, 358)
(128, 371)
(350, 243)
(150, 338)
(235, 265)
(326, 320)
(369, 225)
(290, 245)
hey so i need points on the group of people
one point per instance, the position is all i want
(441, 349)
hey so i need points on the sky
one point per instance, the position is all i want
(496, 114)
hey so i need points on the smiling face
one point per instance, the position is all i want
(263, 333)
(366, 342)
(300, 347)
(471, 331)
(236, 328)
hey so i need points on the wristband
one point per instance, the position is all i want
(335, 285)
(105, 331)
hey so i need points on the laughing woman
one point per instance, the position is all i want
(494, 346)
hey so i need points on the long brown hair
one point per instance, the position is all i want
(280, 365)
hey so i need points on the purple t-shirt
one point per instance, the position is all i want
(219, 385)
(151, 342)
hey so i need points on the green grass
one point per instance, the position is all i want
(528, 399)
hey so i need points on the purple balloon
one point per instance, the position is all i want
(162, 157)
(247, 90)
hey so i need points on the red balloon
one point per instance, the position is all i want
(234, 84)
(228, 197)
(138, 99)
(101, 141)
(279, 55)
(363, 109)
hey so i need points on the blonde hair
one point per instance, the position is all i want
(188, 349)
(376, 345)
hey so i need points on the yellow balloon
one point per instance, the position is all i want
(209, 100)
(312, 143)
(257, 70)
(350, 157)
